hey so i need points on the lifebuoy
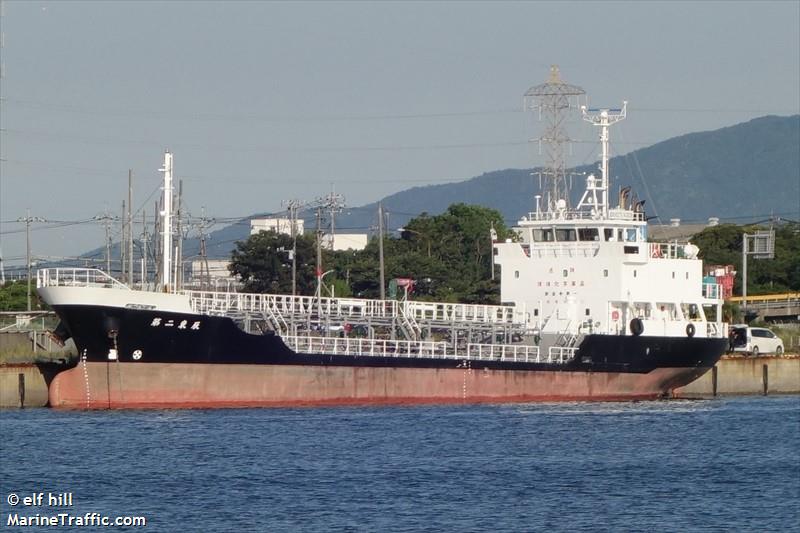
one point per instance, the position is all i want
(690, 330)
(637, 326)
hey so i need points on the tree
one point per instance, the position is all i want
(13, 296)
(722, 245)
(263, 263)
(448, 255)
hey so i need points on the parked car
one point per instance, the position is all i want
(754, 341)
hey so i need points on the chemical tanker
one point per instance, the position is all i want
(591, 310)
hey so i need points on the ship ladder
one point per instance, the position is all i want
(565, 338)
(408, 324)
(276, 321)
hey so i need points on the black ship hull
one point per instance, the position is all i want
(148, 358)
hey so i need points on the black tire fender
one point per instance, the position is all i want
(637, 326)
(690, 331)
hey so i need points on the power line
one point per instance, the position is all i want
(256, 117)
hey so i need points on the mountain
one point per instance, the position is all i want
(741, 173)
(745, 172)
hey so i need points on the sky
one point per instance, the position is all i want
(262, 102)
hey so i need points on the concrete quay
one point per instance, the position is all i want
(22, 385)
(741, 375)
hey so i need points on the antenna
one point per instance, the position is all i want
(553, 100)
(603, 118)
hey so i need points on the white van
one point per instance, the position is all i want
(754, 341)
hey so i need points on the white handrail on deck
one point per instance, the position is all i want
(224, 302)
(423, 349)
(76, 277)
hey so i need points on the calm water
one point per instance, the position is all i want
(714, 465)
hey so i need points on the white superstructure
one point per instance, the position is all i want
(591, 269)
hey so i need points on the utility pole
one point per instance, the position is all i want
(334, 203)
(28, 219)
(205, 272)
(292, 206)
(130, 226)
(179, 231)
(123, 245)
(106, 218)
(144, 249)
(380, 250)
(156, 251)
(319, 254)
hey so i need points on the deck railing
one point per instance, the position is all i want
(505, 352)
(561, 354)
(77, 277)
(210, 302)
(368, 347)
(668, 250)
(424, 349)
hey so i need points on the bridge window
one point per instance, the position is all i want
(588, 234)
(543, 235)
(608, 233)
(565, 235)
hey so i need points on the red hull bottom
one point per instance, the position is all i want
(153, 385)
